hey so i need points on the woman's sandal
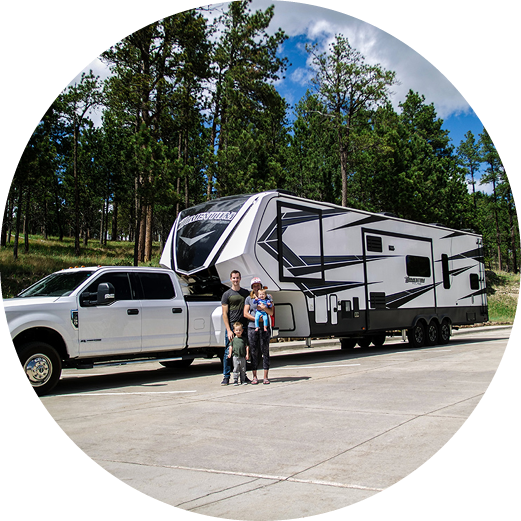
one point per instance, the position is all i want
(254, 381)
(266, 381)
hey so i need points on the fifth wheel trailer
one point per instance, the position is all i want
(334, 271)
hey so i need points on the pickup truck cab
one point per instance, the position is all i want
(83, 317)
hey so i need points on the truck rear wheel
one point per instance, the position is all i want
(42, 366)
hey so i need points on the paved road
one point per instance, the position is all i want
(331, 429)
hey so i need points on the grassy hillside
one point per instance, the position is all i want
(46, 256)
(503, 293)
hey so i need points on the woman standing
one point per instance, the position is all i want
(259, 340)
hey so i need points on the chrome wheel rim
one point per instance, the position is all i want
(433, 333)
(418, 334)
(38, 369)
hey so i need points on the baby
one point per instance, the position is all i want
(262, 298)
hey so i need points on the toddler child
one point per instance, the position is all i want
(240, 351)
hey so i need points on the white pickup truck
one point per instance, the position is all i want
(81, 317)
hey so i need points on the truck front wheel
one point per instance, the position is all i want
(42, 365)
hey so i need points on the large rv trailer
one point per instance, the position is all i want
(334, 271)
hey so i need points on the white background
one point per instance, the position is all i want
(44, 45)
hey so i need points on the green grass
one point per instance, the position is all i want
(47, 256)
(503, 292)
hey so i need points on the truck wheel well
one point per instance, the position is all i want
(42, 334)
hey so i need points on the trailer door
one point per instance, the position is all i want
(399, 279)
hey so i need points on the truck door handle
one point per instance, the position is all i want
(177, 310)
(132, 311)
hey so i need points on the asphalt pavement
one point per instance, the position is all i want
(332, 428)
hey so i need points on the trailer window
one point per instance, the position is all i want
(474, 281)
(418, 266)
(445, 271)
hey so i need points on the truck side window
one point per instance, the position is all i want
(118, 280)
(157, 286)
(418, 266)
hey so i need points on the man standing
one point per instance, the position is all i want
(233, 311)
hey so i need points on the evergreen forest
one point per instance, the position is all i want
(190, 112)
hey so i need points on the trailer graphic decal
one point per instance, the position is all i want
(367, 220)
(399, 299)
(475, 294)
(476, 254)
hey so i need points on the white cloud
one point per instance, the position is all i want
(377, 46)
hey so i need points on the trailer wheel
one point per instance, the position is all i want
(379, 340)
(42, 366)
(444, 335)
(365, 341)
(416, 335)
(347, 343)
(177, 364)
(432, 334)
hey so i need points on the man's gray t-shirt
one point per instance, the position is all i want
(235, 302)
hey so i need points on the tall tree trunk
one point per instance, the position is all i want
(186, 175)
(498, 231)
(102, 224)
(57, 206)
(26, 221)
(76, 195)
(148, 235)
(18, 223)
(513, 241)
(3, 239)
(114, 234)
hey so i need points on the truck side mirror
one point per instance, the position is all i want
(106, 294)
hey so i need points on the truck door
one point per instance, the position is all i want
(399, 278)
(113, 329)
(164, 313)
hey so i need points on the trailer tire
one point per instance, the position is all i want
(431, 339)
(178, 364)
(417, 335)
(379, 340)
(42, 366)
(444, 333)
(347, 343)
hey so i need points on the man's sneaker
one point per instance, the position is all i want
(246, 380)
(236, 382)
(225, 381)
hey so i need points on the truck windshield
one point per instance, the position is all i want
(57, 284)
